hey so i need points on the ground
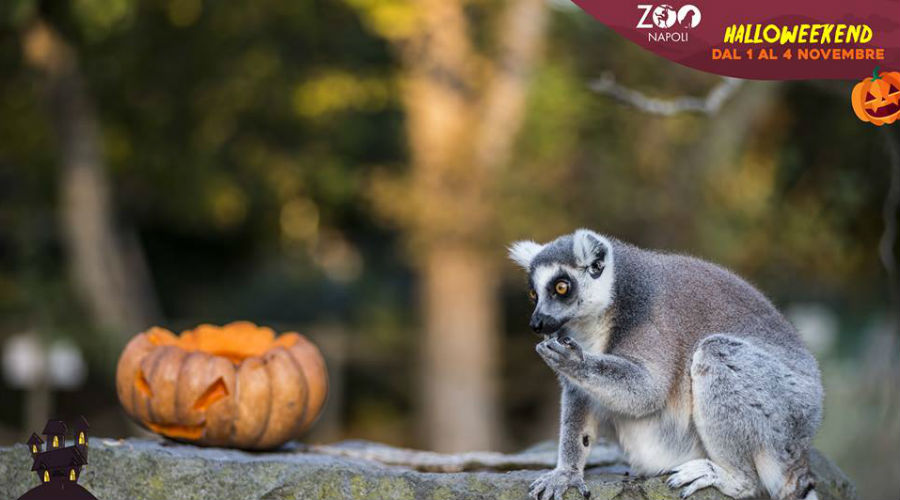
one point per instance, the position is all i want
(148, 469)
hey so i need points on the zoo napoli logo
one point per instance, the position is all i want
(58, 466)
(667, 23)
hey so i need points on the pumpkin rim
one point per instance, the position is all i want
(236, 341)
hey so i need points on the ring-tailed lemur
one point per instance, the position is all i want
(690, 368)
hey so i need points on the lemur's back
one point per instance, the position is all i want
(694, 298)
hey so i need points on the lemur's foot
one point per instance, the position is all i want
(693, 475)
(554, 484)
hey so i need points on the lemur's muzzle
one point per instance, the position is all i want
(544, 324)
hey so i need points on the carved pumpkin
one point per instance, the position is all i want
(238, 385)
(877, 99)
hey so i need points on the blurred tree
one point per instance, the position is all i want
(464, 109)
(106, 261)
(887, 246)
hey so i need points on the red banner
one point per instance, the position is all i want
(763, 39)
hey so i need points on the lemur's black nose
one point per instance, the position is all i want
(545, 324)
(542, 323)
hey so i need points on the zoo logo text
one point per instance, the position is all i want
(665, 17)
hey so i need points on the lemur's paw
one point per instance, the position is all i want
(560, 354)
(554, 484)
(693, 475)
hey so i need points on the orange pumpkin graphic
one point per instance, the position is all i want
(877, 99)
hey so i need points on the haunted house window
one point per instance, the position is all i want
(80, 438)
(71, 474)
(46, 476)
(56, 441)
(34, 448)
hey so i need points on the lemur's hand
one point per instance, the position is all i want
(554, 484)
(561, 355)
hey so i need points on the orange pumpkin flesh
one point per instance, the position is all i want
(237, 385)
(877, 99)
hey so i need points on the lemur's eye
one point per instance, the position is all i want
(561, 287)
(532, 295)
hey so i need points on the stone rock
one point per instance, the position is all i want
(145, 469)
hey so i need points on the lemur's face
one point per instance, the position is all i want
(570, 278)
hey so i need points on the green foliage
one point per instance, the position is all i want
(101, 18)
(14, 13)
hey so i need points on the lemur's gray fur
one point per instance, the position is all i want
(691, 369)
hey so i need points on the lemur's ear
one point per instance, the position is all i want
(590, 251)
(523, 252)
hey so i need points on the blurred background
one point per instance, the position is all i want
(354, 170)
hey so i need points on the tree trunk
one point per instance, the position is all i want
(461, 350)
(462, 120)
(107, 268)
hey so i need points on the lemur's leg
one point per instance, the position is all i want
(755, 418)
(620, 385)
(577, 432)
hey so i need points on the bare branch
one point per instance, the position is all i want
(708, 105)
(602, 454)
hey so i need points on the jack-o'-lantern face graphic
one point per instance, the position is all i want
(237, 385)
(877, 99)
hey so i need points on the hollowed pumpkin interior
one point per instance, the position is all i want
(176, 431)
(235, 341)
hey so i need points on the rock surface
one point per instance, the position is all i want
(143, 469)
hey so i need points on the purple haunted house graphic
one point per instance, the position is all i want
(58, 466)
